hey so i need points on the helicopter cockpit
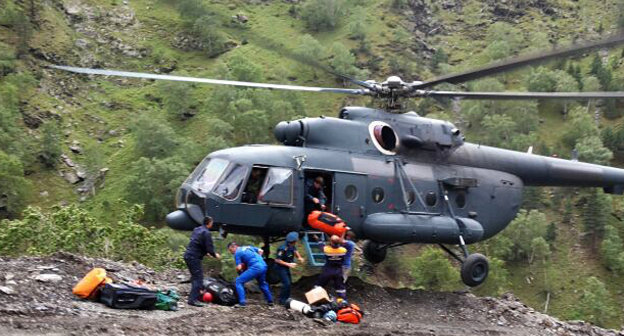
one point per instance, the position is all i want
(224, 188)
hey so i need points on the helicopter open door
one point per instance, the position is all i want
(328, 189)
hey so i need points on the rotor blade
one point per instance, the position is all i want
(208, 81)
(520, 95)
(514, 63)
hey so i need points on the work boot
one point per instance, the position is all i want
(196, 304)
(270, 304)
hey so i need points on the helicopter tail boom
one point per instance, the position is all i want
(536, 170)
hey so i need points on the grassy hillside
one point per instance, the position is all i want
(414, 39)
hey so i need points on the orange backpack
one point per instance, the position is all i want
(351, 314)
(88, 287)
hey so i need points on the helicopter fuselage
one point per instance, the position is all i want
(392, 178)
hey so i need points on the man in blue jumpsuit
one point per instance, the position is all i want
(199, 246)
(284, 261)
(251, 258)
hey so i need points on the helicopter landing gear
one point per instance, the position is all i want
(374, 251)
(266, 248)
(474, 267)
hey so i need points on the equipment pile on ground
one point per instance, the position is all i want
(320, 305)
(98, 287)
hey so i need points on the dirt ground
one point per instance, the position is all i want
(33, 305)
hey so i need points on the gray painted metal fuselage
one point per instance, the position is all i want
(483, 184)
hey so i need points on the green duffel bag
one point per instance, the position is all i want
(167, 300)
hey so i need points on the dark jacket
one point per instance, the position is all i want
(200, 244)
(312, 192)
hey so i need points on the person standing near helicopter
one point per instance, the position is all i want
(333, 270)
(249, 265)
(200, 245)
(284, 261)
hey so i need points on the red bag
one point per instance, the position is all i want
(351, 314)
(327, 222)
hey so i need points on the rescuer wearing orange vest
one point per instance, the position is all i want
(332, 271)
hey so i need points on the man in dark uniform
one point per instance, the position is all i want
(332, 271)
(199, 246)
(284, 261)
(315, 198)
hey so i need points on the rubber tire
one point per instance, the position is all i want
(475, 269)
(373, 253)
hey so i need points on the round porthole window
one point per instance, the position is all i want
(460, 199)
(431, 198)
(351, 193)
(378, 195)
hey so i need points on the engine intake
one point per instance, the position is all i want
(384, 137)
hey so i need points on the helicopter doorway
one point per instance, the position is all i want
(326, 187)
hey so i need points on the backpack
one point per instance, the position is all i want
(167, 300)
(89, 286)
(223, 292)
(351, 314)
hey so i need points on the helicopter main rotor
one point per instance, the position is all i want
(394, 88)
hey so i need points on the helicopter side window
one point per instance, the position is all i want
(209, 174)
(277, 188)
(230, 186)
(254, 183)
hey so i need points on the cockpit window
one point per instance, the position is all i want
(277, 188)
(209, 174)
(230, 185)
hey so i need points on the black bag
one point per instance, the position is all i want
(223, 292)
(127, 297)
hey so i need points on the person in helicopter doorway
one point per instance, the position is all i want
(315, 198)
(332, 270)
(284, 261)
(199, 246)
(249, 257)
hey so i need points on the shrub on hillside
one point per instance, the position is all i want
(594, 303)
(323, 14)
(433, 271)
(153, 183)
(75, 230)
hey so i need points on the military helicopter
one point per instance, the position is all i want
(395, 177)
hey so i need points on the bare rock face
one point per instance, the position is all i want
(71, 177)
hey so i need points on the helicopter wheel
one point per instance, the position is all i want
(474, 269)
(373, 252)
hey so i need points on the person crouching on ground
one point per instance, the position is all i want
(284, 261)
(250, 257)
(199, 246)
(332, 271)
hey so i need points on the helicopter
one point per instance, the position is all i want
(395, 177)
